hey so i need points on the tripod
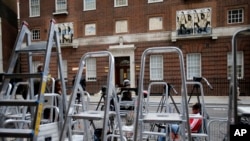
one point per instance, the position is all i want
(196, 87)
(162, 103)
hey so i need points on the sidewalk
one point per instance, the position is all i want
(209, 100)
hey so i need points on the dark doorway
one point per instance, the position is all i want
(122, 70)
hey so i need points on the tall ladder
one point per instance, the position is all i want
(36, 105)
(166, 118)
(91, 115)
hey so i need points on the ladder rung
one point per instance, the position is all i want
(34, 47)
(19, 102)
(23, 75)
(21, 133)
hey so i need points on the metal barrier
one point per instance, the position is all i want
(217, 130)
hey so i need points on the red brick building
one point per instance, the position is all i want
(201, 29)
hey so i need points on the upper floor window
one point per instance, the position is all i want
(91, 69)
(89, 5)
(61, 5)
(35, 33)
(235, 16)
(193, 65)
(153, 1)
(119, 3)
(34, 8)
(121, 26)
(90, 29)
(65, 32)
(155, 23)
(156, 67)
(239, 65)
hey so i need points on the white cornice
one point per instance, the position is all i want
(154, 36)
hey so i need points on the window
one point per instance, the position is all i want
(34, 8)
(156, 67)
(119, 3)
(61, 5)
(89, 5)
(91, 69)
(155, 23)
(235, 16)
(193, 65)
(65, 69)
(153, 1)
(121, 26)
(35, 33)
(239, 66)
(90, 29)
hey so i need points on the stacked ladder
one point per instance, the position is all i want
(88, 115)
(166, 118)
(36, 105)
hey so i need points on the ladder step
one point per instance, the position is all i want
(34, 47)
(21, 133)
(23, 75)
(19, 102)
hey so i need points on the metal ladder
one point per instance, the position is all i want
(166, 118)
(36, 105)
(91, 115)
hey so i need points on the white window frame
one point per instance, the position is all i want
(90, 29)
(121, 26)
(35, 34)
(154, 1)
(89, 5)
(193, 65)
(120, 3)
(91, 69)
(155, 23)
(156, 67)
(235, 16)
(35, 8)
(239, 65)
(61, 5)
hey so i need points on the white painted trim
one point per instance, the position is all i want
(126, 50)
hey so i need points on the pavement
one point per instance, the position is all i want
(209, 100)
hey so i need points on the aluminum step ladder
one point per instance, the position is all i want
(94, 115)
(166, 118)
(36, 105)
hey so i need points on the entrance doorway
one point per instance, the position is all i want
(122, 70)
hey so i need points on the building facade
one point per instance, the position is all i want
(202, 29)
(8, 31)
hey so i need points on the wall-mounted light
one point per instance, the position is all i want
(106, 69)
(120, 40)
(137, 67)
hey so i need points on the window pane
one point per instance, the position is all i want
(156, 67)
(155, 23)
(121, 26)
(121, 3)
(90, 29)
(34, 7)
(89, 4)
(91, 69)
(239, 65)
(35, 34)
(193, 65)
(235, 16)
(152, 1)
(61, 5)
